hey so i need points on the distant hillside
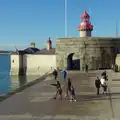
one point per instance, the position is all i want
(5, 52)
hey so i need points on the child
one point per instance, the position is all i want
(73, 94)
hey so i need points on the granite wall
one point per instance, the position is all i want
(93, 51)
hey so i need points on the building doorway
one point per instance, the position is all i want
(73, 64)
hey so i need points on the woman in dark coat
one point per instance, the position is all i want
(97, 84)
(55, 74)
(68, 87)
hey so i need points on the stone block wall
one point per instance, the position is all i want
(94, 51)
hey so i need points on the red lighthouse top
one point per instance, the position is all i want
(85, 23)
(85, 15)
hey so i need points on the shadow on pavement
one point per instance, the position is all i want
(115, 94)
(95, 97)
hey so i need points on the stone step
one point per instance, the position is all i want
(56, 117)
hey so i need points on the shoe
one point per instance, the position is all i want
(74, 100)
(54, 98)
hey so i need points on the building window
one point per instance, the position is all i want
(13, 61)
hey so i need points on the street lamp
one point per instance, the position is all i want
(65, 18)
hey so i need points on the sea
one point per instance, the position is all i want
(7, 82)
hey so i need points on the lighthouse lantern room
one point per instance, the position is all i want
(85, 26)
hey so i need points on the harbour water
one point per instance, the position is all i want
(7, 82)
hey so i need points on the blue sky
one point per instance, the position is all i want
(23, 21)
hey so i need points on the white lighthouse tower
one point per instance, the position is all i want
(85, 26)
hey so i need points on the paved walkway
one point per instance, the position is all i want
(35, 103)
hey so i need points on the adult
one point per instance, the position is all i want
(59, 90)
(104, 74)
(64, 75)
(104, 84)
(97, 84)
(86, 68)
(55, 74)
(69, 85)
(73, 94)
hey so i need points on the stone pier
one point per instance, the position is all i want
(36, 103)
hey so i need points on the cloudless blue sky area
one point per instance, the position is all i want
(23, 21)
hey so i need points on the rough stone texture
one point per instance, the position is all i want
(99, 52)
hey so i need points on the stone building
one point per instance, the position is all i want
(96, 52)
(70, 53)
(33, 61)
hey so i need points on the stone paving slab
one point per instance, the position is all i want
(36, 101)
(56, 117)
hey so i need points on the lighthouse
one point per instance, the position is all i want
(85, 26)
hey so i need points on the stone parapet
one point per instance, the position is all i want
(99, 52)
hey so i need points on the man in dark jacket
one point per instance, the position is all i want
(55, 74)
(97, 84)
(104, 74)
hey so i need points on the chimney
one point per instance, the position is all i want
(32, 44)
(49, 44)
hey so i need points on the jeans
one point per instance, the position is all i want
(98, 91)
(65, 87)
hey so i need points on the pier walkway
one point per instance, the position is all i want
(36, 103)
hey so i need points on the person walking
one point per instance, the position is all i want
(97, 84)
(55, 74)
(68, 90)
(64, 75)
(104, 85)
(104, 74)
(59, 90)
(86, 68)
(73, 98)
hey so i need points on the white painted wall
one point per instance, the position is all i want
(117, 61)
(36, 64)
(15, 60)
(39, 64)
(85, 33)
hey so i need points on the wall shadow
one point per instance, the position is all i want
(76, 64)
(73, 64)
(23, 64)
